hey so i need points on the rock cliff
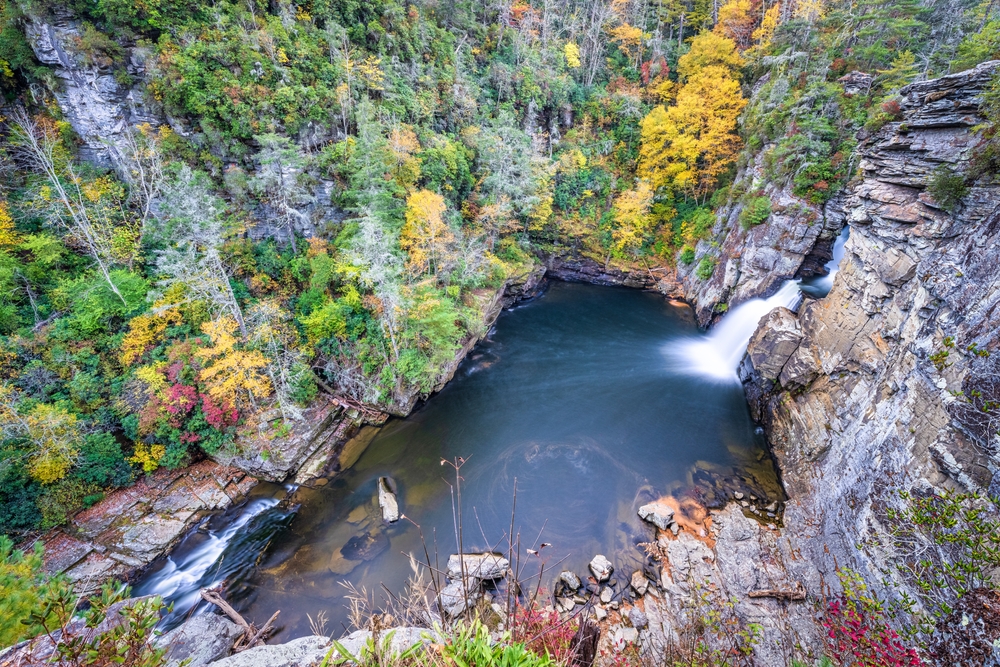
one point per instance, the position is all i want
(98, 104)
(889, 382)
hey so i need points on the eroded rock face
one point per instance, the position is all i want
(886, 386)
(98, 106)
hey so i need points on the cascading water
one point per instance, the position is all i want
(718, 355)
(819, 286)
(206, 559)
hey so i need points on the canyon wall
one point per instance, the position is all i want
(889, 382)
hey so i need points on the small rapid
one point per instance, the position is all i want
(718, 355)
(207, 558)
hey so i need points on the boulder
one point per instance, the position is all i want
(485, 567)
(570, 580)
(453, 600)
(387, 499)
(639, 582)
(601, 568)
(400, 640)
(303, 652)
(637, 618)
(200, 640)
(658, 514)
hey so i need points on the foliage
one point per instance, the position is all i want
(860, 632)
(947, 187)
(470, 645)
(25, 589)
(706, 267)
(756, 211)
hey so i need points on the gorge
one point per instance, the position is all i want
(716, 285)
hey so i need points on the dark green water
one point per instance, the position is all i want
(573, 395)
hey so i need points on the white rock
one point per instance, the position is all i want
(601, 568)
(570, 579)
(606, 595)
(639, 582)
(600, 613)
(387, 501)
(657, 514)
(478, 566)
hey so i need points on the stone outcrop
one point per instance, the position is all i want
(95, 102)
(888, 383)
(132, 526)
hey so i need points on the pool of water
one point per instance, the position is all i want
(577, 397)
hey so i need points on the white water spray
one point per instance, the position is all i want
(718, 355)
(180, 581)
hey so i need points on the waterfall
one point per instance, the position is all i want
(718, 355)
(819, 286)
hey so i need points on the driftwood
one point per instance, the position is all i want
(251, 635)
(796, 594)
(369, 413)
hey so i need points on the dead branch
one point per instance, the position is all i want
(796, 594)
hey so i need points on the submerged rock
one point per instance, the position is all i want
(387, 499)
(601, 568)
(658, 514)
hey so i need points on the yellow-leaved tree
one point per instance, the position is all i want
(55, 436)
(632, 219)
(572, 53)
(232, 375)
(687, 146)
(426, 237)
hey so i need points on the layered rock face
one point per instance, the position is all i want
(98, 106)
(886, 384)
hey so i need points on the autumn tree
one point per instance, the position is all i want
(426, 236)
(736, 22)
(687, 146)
(233, 375)
(273, 336)
(193, 230)
(632, 219)
(54, 434)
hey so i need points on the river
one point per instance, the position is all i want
(576, 395)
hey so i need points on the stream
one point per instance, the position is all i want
(580, 395)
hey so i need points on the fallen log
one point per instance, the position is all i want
(796, 594)
(251, 635)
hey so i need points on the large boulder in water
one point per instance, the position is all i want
(601, 568)
(658, 514)
(485, 567)
(387, 499)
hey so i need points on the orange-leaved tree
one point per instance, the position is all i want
(687, 146)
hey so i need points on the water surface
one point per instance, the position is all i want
(577, 396)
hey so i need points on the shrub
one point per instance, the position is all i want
(706, 267)
(472, 645)
(687, 255)
(947, 187)
(755, 212)
(24, 590)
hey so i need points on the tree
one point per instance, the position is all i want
(40, 149)
(233, 376)
(25, 589)
(632, 218)
(273, 337)
(426, 237)
(281, 161)
(687, 146)
(140, 165)
(736, 23)
(193, 231)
